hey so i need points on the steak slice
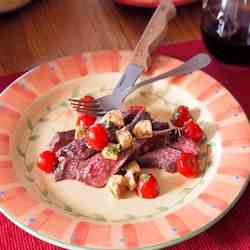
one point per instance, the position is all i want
(72, 153)
(131, 117)
(61, 139)
(76, 148)
(141, 115)
(159, 140)
(157, 125)
(77, 162)
(128, 116)
(95, 171)
(164, 158)
(187, 146)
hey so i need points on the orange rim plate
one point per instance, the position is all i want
(152, 3)
(75, 216)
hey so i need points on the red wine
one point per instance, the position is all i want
(231, 50)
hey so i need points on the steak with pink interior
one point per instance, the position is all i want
(61, 139)
(95, 171)
(157, 125)
(164, 158)
(186, 145)
(140, 115)
(78, 162)
(71, 154)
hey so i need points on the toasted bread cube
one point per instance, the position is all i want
(133, 171)
(124, 138)
(131, 181)
(117, 185)
(143, 129)
(115, 117)
(133, 167)
(111, 151)
(80, 132)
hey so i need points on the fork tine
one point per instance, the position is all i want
(90, 112)
(83, 109)
(85, 105)
(91, 108)
(77, 101)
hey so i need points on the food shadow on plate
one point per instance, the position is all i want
(154, 103)
(149, 93)
(209, 128)
(195, 113)
(168, 182)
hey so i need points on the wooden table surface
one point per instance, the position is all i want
(45, 29)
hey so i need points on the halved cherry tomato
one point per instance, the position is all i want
(47, 161)
(97, 137)
(148, 186)
(136, 107)
(188, 166)
(85, 120)
(88, 98)
(180, 116)
(193, 131)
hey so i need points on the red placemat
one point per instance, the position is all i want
(233, 231)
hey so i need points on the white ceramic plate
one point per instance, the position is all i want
(73, 215)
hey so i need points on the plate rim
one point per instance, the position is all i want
(60, 243)
(153, 5)
(188, 236)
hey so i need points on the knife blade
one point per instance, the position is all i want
(129, 77)
(152, 37)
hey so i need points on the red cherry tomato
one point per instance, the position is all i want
(47, 161)
(181, 116)
(188, 166)
(85, 120)
(148, 186)
(136, 107)
(97, 137)
(88, 98)
(193, 131)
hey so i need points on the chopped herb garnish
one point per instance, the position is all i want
(119, 147)
(145, 177)
(108, 123)
(114, 149)
(80, 132)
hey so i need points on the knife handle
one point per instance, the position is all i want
(154, 34)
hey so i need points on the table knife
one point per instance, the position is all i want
(153, 36)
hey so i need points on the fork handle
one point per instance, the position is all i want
(197, 62)
(154, 34)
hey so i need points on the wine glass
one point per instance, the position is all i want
(225, 28)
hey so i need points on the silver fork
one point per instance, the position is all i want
(100, 106)
(152, 37)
